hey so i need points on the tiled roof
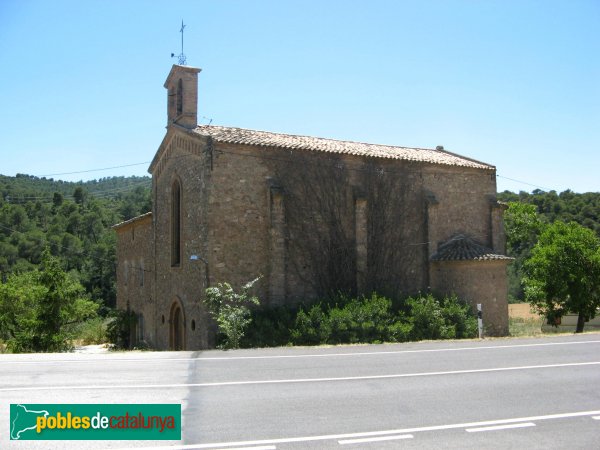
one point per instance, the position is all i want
(134, 219)
(463, 248)
(288, 141)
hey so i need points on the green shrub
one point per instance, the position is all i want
(362, 320)
(448, 318)
(39, 309)
(312, 328)
(400, 331)
(230, 310)
(119, 328)
(93, 331)
(371, 319)
(459, 315)
(427, 319)
(342, 325)
(270, 327)
(374, 315)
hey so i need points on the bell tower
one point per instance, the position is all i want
(182, 96)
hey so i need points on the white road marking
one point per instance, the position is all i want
(319, 355)
(297, 380)
(327, 437)
(262, 447)
(500, 427)
(596, 417)
(200, 446)
(375, 439)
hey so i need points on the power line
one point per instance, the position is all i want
(93, 170)
(524, 182)
(100, 194)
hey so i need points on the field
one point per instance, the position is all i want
(521, 311)
(523, 322)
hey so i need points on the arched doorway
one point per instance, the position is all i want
(177, 327)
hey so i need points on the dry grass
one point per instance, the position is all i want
(521, 311)
(519, 326)
(523, 322)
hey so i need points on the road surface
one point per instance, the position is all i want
(503, 393)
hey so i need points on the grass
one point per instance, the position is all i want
(520, 326)
(531, 325)
(91, 332)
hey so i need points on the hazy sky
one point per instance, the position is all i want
(513, 83)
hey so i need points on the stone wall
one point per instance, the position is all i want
(185, 160)
(482, 282)
(460, 201)
(135, 274)
(239, 222)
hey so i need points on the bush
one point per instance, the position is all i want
(363, 320)
(230, 310)
(119, 328)
(92, 331)
(448, 318)
(270, 327)
(312, 328)
(400, 331)
(39, 309)
(371, 319)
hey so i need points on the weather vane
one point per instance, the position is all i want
(181, 56)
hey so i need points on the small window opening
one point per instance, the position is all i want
(179, 97)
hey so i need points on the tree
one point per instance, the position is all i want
(230, 310)
(79, 194)
(57, 199)
(523, 227)
(39, 308)
(563, 273)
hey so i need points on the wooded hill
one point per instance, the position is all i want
(567, 206)
(74, 219)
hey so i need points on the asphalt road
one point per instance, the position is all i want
(505, 393)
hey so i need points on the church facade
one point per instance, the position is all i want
(310, 216)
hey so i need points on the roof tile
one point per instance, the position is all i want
(243, 136)
(464, 248)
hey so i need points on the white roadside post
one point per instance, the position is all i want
(479, 320)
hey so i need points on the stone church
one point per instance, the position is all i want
(311, 216)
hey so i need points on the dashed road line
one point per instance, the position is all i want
(500, 427)
(376, 439)
(262, 447)
(373, 434)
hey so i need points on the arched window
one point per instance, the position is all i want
(179, 97)
(176, 224)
